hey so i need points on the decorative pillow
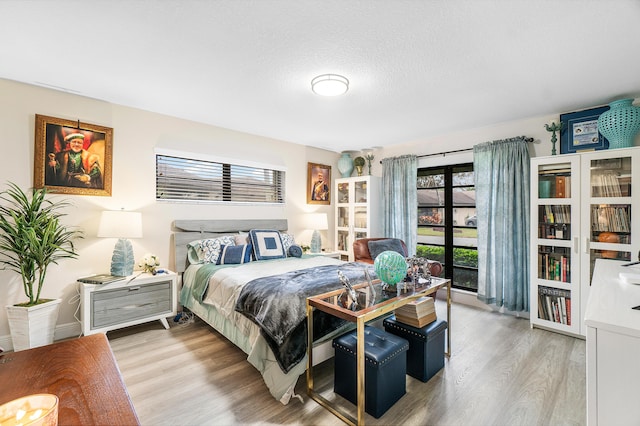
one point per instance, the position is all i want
(234, 254)
(241, 238)
(212, 247)
(266, 244)
(195, 254)
(378, 246)
(294, 251)
(287, 241)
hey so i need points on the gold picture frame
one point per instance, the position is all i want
(71, 157)
(318, 184)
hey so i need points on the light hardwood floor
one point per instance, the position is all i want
(501, 372)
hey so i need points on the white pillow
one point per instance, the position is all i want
(241, 238)
(287, 241)
(211, 247)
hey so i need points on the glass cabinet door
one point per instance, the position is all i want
(343, 217)
(355, 218)
(360, 192)
(555, 271)
(343, 193)
(343, 240)
(360, 217)
(610, 209)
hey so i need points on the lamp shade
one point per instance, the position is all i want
(316, 221)
(120, 224)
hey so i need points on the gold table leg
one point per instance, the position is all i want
(309, 349)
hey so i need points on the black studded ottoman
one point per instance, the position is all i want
(385, 369)
(426, 346)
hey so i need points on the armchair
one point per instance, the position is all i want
(362, 253)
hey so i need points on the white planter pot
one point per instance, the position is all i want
(33, 326)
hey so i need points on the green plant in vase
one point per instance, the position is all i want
(32, 238)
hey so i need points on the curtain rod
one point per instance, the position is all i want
(459, 150)
(456, 151)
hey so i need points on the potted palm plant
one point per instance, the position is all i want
(31, 238)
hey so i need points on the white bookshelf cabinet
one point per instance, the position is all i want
(581, 210)
(357, 201)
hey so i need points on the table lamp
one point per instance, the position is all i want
(318, 222)
(122, 225)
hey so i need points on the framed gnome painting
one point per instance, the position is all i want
(72, 157)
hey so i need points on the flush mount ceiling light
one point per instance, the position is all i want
(330, 85)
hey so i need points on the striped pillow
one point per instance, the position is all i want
(234, 254)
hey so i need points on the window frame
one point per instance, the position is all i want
(226, 181)
(448, 208)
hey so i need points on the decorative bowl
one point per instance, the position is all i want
(391, 267)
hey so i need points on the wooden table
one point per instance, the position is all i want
(83, 374)
(379, 304)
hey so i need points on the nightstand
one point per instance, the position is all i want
(134, 300)
(334, 254)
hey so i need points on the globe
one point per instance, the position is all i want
(391, 267)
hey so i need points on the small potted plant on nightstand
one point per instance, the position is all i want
(358, 162)
(31, 238)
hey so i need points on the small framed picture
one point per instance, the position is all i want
(580, 131)
(72, 157)
(318, 184)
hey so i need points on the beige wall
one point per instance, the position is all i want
(136, 134)
(532, 127)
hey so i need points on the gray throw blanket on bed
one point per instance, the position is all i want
(277, 304)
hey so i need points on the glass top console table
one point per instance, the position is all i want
(373, 302)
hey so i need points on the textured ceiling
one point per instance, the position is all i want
(417, 68)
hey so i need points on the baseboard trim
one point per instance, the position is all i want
(471, 299)
(63, 331)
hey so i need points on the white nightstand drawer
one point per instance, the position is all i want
(130, 303)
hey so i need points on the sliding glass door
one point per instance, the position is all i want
(447, 222)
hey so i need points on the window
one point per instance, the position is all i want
(447, 222)
(187, 179)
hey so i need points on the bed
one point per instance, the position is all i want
(270, 291)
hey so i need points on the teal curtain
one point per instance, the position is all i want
(501, 171)
(400, 199)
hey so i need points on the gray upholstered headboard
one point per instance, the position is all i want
(185, 231)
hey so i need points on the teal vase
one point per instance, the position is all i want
(620, 124)
(345, 165)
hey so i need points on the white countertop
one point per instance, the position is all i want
(611, 299)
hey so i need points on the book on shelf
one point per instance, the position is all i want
(554, 305)
(606, 184)
(610, 218)
(554, 266)
(101, 279)
(561, 182)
